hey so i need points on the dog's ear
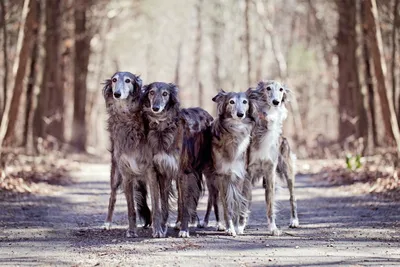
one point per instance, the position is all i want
(286, 95)
(144, 99)
(107, 89)
(219, 96)
(173, 101)
(252, 96)
(137, 84)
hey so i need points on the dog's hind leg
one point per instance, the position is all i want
(191, 190)
(210, 201)
(180, 204)
(270, 178)
(289, 174)
(141, 202)
(115, 182)
(286, 169)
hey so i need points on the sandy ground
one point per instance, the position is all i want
(337, 228)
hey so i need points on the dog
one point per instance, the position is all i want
(196, 155)
(129, 149)
(177, 138)
(164, 136)
(268, 154)
(231, 133)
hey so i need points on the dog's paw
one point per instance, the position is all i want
(107, 225)
(275, 231)
(177, 225)
(240, 229)
(183, 234)
(220, 227)
(231, 232)
(131, 233)
(160, 232)
(202, 224)
(294, 223)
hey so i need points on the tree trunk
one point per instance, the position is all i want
(33, 75)
(197, 51)
(3, 97)
(395, 94)
(24, 50)
(82, 52)
(247, 39)
(347, 67)
(375, 46)
(50, 110)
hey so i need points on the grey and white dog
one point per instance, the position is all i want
(230, 140)
(270, 155)
(129, 150)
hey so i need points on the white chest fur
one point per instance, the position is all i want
(237, 164)
(268, 147)
(165, 160)
(131, 161)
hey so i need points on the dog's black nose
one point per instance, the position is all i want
(275, 102)
(117, 95)
(240, 114)
(156, 109)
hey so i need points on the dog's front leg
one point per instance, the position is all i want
(247, 194)
(165, 191)
(128, 187)
(155, 204)
(115, 182)
(226, 200)
(270, 179)
(178, 222)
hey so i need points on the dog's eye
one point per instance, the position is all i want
(281, 89)
(165, 94)
(127, 80)
(114, 80)
(269, 88)
(244, 101)
(151, 92)
(232, 102)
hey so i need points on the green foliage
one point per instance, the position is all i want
(353, 162)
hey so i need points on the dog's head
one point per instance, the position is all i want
(232, 105)
(159, 97)
(274, 93)
(122, 85)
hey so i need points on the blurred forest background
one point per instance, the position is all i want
(340, 58)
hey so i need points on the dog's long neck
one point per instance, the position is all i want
(163, 130)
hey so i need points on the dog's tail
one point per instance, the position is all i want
(141, 203)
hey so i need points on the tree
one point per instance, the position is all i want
(82, 53)
(48, 119)
(24, 50)
(374, 42)
(197, 51)
(3, 94)
(353, 116)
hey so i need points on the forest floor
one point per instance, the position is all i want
(63, 226)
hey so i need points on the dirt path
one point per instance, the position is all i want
(337, 228)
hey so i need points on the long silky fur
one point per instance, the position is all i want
(120, 125)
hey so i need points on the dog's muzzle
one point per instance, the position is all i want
(155, 109)
(117, 94)
(240, 114)
(275, 102)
